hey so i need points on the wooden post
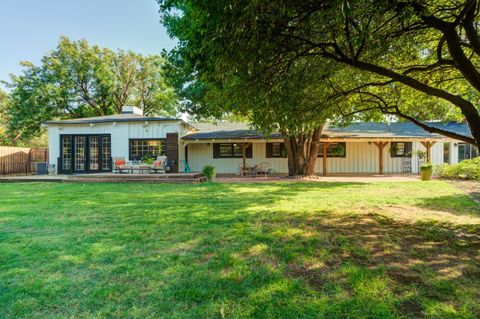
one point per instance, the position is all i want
(381, 146)
(325, 146)
(428, 146)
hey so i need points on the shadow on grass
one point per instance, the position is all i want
(227, 251)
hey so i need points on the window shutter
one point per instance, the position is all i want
(408, 149)
(269, 150)
(216, 150)
(393, 148)
(249, 151)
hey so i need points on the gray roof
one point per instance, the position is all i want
(354, 130)
(124, 117)
(226, 130)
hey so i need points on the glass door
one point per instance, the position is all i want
(85, 154)
(106, 154)
(80, 154)
(93, 154)
(65, 165)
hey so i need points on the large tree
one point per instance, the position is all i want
(213, 84)
(79, 80)
(3, 106)
(416, 60)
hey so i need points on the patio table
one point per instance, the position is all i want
(142, 168)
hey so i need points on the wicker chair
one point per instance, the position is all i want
(263, 168)
(159, 165)
(243, 170)
(119, 165)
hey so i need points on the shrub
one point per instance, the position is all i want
(209, 171)
(467, 169)
(426, 167)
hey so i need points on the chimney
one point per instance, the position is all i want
(130, 109)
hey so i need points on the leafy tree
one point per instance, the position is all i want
(415, 60)
(79, 80)
(211, 84)
(3, 106)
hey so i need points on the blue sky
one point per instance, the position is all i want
(31, 28)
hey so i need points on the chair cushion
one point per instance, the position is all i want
(120, 162)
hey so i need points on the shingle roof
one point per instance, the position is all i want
(124, 117)
(226, 130)
(354, 130)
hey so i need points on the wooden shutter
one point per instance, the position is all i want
(249, 152)
(408, 149)
(216, 150)
(269, 147)
(172, 151)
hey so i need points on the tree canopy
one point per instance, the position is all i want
(415, 60)
(211, 84)
(80, 80)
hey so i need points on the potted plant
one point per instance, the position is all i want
(426, 171)
(209, 172)
(148, 160)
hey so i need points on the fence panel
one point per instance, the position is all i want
(20, 160)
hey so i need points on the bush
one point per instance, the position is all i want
(467, 169)
(209, 171)
(426, 167)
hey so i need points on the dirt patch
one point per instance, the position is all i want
(418, 214)
(470, 187)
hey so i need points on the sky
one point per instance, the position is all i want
(29, 29)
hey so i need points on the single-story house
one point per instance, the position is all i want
(87, 145)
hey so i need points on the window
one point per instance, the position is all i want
(231, 150)
(276, 150)
(141, 148)
(334, 150)
(466, 151)
(401, 149)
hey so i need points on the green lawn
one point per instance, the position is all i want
(266, 250)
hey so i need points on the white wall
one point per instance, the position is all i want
(361, 157)
(120, 133)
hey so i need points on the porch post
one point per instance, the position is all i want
(428, 146)
(380, 146)
(325, 146)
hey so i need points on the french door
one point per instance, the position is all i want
(85, 154)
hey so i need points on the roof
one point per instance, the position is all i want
(124, 117)
(226, 130)
(354, 130)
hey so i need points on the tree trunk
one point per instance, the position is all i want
(302, 151)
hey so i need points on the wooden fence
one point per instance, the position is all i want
(21, 160)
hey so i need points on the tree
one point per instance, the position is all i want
(398, 54)
(212, 83)
(79, 80)
(152, 93)
(3, 106)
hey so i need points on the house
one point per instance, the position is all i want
(87, 145)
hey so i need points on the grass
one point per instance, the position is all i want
(269, 250)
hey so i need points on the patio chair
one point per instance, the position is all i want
(159, 165)
(119, 165)
(263, 168)
(243, 170)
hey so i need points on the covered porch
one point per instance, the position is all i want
(337, 155)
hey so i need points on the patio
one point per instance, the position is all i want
(186, 178)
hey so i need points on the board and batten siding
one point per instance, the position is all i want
(361, 158)
(120, 134)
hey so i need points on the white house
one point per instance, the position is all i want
(87, 145)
